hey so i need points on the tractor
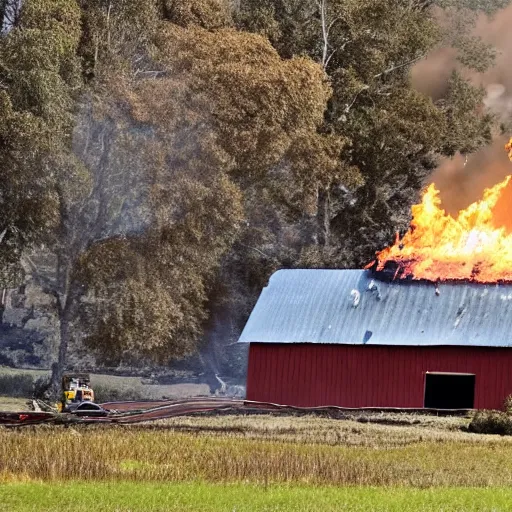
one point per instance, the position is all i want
(78, 396)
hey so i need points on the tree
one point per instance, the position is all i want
(208, 14)
(116, 37)
(149, 181)
(38, 76)
(380, 138)
(127, 265)
(393, 134)
(264, 126)
(174, 157)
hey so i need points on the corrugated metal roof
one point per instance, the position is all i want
(350, 307)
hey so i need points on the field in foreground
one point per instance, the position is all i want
(202, 497)
(232, 463)
(259, 450)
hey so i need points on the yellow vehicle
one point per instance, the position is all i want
(76, 390)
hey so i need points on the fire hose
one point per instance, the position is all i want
(122, 413)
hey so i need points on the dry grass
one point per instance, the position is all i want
(278, 450)
(386, 430)
(8, 403)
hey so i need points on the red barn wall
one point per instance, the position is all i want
(366, 375)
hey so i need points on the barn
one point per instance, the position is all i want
(348, 338)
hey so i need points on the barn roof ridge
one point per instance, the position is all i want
(355, 307)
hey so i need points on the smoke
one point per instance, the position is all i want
(461, 181)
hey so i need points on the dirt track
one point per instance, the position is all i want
(136, 412)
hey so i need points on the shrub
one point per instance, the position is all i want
(507, 404)
(41, 387)
(17, 385)
(491, 422)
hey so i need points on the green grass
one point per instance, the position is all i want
(6, 370)
(149, 497)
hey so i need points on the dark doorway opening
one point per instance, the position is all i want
(449, 390)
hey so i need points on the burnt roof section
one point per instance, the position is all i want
(353, 307)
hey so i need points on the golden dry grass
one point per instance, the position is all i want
(385, 430)
(260, 450)
(8, 403)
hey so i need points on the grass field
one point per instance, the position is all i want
(384, 429)
(201, 497)
(234, 463)
(344, 453)
(245, 463)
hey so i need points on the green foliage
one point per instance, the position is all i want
(209, 14)
(392, 134)
(39, 75)
(199, 145)
(38, 61)
(460, 18)
(256, 123)
(363, 33)
(465, 132)
(212, 144)
(147, 281)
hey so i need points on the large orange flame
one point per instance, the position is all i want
(439, 246)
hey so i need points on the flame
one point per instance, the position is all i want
(440, 247)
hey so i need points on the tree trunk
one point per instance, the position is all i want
(2, 304)
(58, 368)
(324, 217)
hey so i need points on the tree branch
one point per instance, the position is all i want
(46, 284)
(394, 68)
(348, 107)
(322, 6)
(329, 58)
(255, 249)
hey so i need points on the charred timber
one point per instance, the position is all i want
(398, 271)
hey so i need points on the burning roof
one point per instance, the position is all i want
(443, 283)
(438, 246)
(356, 307)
